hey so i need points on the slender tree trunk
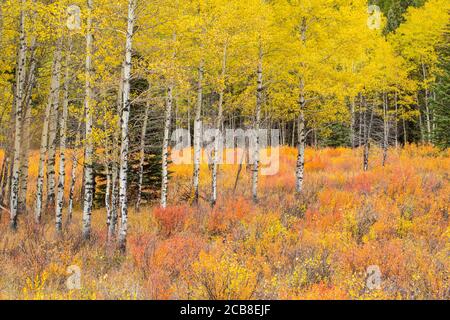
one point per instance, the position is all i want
(54, 90)
(19, 99)
(405, 138)
(300, 165)
(361, 120)
(115, 164)
(142, 158)
(165, 149)
(352, 124)
(24, 159)
(62, 143)
(198, 133)
(124, 136)
(422, 135)
(89, 148)
(259, 101)
(3, 174)
(396, 119)
(4, 180)
(24, 162)
(73, 174)
(368, 130)
(9, 177)
(427, 107)
(52, 131)
(238, 173)
(218, 132)
(385, 128)
(108, 194)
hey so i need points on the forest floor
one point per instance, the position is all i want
(318, 245)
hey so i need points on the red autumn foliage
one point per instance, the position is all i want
(172, 219)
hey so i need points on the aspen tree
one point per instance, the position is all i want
(142, 157)
(259, 99)
(51, 105)
(19, 97)
(73, 174)
(62, 141)
(165, 150)
(198, 132)
(218, 132)
(124, 127)
(89, 148)
(53, 130)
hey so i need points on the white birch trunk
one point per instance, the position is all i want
(300, 165)
(198, 133)
(62, 146)
(52, 130)
(115, 165)
(165, 149)
(73, 175)
(396, 119)
(24, 159)
(54, 90)
(89, 149)
(367, 133)
(24, 162)
(217, 137)
(352, 124)
(108, 194)
(142, 158)
(427, 107)
(259, 97)
(124, 129)
(19, 97)
(385, 129)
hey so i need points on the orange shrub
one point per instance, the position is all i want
(224, 217)
(172, 219)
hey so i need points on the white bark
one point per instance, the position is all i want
(367, 134)
(45, 139)
(19, 97)
(259, 97)
(108, 195)
(89, 149)
(198, 133)
(427, 107)
(115, 165)
(352, 123)
(300, 165)
(52, 131)
(142, 158)
(24, 159)
(73, 174)
(2, 181)
(385, 128)
(24, 162)
(396, 119)
(217, 137)
(165, 149)
(124, 129)
(62, 146)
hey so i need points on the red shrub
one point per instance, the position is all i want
(171, 219)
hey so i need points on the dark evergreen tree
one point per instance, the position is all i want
(441, 104)
(151, 184)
